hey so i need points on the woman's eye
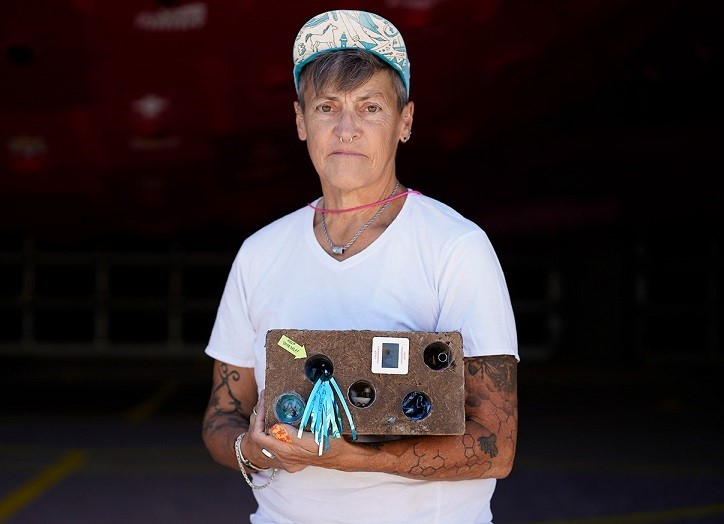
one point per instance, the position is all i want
(325, 108)
(373, 109)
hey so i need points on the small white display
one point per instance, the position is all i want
(390, 355)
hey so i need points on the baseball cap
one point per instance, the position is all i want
(345, 29)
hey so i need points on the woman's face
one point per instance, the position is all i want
(369, 117)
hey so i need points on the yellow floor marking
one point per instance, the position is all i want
(644, 517)
(145, 409)
(25, 494)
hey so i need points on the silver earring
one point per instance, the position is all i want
(406, 138)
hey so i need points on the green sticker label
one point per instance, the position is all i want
(293, 348)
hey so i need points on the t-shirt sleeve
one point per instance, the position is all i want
(475, 299)
(231, 339)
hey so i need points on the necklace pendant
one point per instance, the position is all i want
(339, 250)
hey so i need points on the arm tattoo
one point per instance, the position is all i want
(224, 408)
(223, 388)
(491, 392)
(496, 385)
(488, 445)
(497, 368)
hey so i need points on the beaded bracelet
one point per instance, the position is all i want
(243, 461)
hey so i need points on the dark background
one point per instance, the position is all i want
(141, 141)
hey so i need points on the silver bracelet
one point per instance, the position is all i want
(244, 462)
(242, 459)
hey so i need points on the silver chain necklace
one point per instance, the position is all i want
(339, 250)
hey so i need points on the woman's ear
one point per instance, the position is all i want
(299, 120)
(407, 114)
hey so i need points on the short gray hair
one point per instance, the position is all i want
(346, 70)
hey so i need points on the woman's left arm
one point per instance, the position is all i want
(487, 447)
(485, 450)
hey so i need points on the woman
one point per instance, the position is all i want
(369, 254)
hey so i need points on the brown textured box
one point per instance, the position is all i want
(376, 400)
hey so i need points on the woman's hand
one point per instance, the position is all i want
(287, 450)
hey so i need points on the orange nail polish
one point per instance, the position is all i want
(280, 433)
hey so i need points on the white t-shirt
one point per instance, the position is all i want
(430, 270)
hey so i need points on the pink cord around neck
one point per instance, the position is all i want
(322, 210)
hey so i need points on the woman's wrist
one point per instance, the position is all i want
(241, 459)
(244, 463)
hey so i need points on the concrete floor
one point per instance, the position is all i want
(120, 442)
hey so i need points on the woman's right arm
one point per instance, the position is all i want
(233, 396)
